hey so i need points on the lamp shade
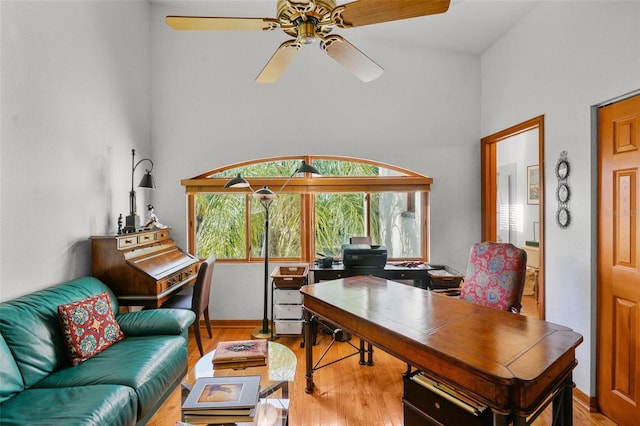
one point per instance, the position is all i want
(147, 181)
(264, 194)
(306, 168)
(237, 182)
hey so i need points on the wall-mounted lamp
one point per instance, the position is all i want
(132, 223)
(265, 196)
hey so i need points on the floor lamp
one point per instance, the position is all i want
(266, 196)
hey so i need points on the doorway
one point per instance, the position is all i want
(512, 165)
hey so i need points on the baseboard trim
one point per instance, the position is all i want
(233, 323)
(588, 403)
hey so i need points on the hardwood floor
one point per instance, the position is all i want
(346, 393)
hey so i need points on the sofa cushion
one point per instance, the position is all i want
(148, 364)
(156, 321)
(71, 406)
(88, 327)
(31, 329)
(10, 378)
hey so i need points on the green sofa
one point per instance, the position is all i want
(122, 385)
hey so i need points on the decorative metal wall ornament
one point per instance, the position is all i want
(563, 193)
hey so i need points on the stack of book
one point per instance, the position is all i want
(240, 354)
(220, 400)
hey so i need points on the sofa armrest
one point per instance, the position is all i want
(156, 321)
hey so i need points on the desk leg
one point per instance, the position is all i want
(369, 354)
(563, 404)
(500, 419)
(308, 348)
(368, 351)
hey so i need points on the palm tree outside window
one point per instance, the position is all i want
(312, 214)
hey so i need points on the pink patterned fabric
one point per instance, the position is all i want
(495, 276)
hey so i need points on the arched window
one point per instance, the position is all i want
(311, 214)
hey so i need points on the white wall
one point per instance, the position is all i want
(422, 114)
(559, 60)
(75, 101)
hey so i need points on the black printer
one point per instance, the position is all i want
(364, 256)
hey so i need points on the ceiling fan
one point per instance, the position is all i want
(307, 20)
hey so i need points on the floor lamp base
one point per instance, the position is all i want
(260, 333)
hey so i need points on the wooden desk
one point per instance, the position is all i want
(417, 274)
(509, 362)
(142, 268)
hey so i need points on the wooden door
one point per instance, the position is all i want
(619, 261)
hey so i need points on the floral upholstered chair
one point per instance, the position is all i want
(495, 276)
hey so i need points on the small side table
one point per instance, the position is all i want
(276, 377)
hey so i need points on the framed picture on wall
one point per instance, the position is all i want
(533, 185)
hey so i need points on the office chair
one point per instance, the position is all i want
(196, 299)
(495, 276)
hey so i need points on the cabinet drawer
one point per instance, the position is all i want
(287, 296)
(169, 281)
(147, 237)
(189, 272)
(127, 242)
(425, 404)
(288, 326)
(287, 311)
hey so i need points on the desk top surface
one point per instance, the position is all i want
(507, 360)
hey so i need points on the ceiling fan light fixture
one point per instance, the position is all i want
(307, 31)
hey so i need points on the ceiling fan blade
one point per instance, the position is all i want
(279, 62)
(366, 12)
(351, 58)
(214, 23)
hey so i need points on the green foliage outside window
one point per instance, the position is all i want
(221, 218)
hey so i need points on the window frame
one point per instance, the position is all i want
(308, 185)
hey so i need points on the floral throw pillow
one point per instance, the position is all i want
(88, 327)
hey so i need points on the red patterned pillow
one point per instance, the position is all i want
(88, 327)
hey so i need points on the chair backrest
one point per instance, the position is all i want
(495, 276)
(202, 287)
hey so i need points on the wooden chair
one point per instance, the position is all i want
(196, 298)
(495, 276)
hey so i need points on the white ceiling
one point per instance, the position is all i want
(469, 26)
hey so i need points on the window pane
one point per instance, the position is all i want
(346, 168)
(266, 169)
(338, 217)
(220, 225)
(223, 226)
(398, 226)
(284, 227)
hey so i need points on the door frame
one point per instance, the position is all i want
(488, 166)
